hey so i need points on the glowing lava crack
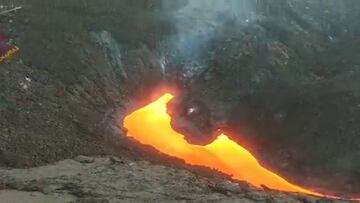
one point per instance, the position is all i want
(150, 125)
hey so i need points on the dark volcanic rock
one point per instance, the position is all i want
(285, 85)
(102, 180)
(78, 66)
(283, 75)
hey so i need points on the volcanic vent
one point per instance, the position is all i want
(151, 125)
(279, 78)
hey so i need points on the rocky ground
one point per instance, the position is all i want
(286, 87)
(83, 65)
(64, 92)
(111, 179)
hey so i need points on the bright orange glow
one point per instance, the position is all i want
(150, 125)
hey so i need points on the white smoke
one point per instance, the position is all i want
(197, 23)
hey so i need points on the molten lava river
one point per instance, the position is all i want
(150, 125)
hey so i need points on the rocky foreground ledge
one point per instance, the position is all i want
(112, 179)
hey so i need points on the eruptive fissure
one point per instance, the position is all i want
(150, 125)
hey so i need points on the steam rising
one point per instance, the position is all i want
(197, 23)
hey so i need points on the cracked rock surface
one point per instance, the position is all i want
(112, 179)
(82, 65)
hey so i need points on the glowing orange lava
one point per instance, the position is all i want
(150, 125)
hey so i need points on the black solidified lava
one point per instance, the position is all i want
(280, 77)
(288, 91)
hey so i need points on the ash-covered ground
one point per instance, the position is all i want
(112, 179)
(283, 74)
(284, 84)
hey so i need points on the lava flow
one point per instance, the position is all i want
(150, 125)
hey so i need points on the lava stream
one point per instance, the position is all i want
(150, 125)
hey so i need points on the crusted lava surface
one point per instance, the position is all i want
(281, 78)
